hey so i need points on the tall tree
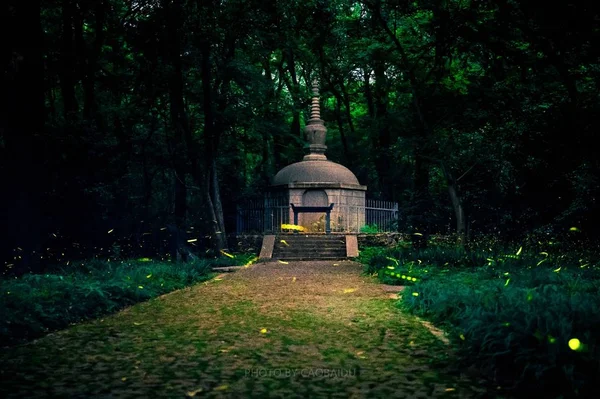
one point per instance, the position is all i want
(21, 125)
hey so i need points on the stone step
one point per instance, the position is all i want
(301, 240)
(311, 237)
(321, 251)
(309, 240)
(321, 236)
(294, 258)
(309, 255)
(310, 246)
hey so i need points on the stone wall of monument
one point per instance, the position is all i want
(348, 214)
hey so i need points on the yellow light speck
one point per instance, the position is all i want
(574, 344)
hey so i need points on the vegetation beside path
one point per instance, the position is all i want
(526, 317)
(288, 330)
(34, 304)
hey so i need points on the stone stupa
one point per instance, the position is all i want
(316, 182)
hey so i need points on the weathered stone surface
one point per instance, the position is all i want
(351, 246)
(313, 198)
(309, 246)
(347, 214)
(300, 185)
(315, 172)
(266, 251)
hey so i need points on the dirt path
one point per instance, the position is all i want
(303, 329)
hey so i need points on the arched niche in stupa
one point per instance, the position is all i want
(313, 198)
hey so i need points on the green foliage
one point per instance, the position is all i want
(369, 229)
(33, 304)
(513, 315)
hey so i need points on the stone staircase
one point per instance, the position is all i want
(309, 246)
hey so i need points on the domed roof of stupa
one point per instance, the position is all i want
(321, 171)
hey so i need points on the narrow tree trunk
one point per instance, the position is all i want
(179, 124)
(338, 116)
(270, 157)
(459, 212)
(383, 135)
(217, 243)
(218, 239)
(369, 93)
(346, 100)
(89, 71)
(295, 91)
(215, 194)
(67, 80)
(24, 174)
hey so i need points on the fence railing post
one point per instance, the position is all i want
(382, 214)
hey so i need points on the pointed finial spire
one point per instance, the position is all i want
(315, 129)
(315, 112)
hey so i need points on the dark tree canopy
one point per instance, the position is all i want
(478, 117)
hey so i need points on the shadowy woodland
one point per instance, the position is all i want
(131, 130)
(124, 123)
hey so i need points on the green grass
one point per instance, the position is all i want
(369, 229)
(512, 314)
(35, 304)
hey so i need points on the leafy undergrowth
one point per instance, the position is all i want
(528, 319)
(35, 304)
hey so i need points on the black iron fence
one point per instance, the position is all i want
(380, 216)
(250, 217)
(267, 215)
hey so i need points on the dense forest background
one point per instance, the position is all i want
(124, 121)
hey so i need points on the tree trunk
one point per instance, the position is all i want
(22, 121)
(89, 71)
(459, 212)
(218, 240)
(383, 136)
(338, 117)
(295, 92)
(179, 124)
(369, 93)
(346, 99)
(270, 157)
(215, 194)
(67, 80)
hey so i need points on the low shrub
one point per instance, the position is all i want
(369, 229)
(528, 320)
(33, 305)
